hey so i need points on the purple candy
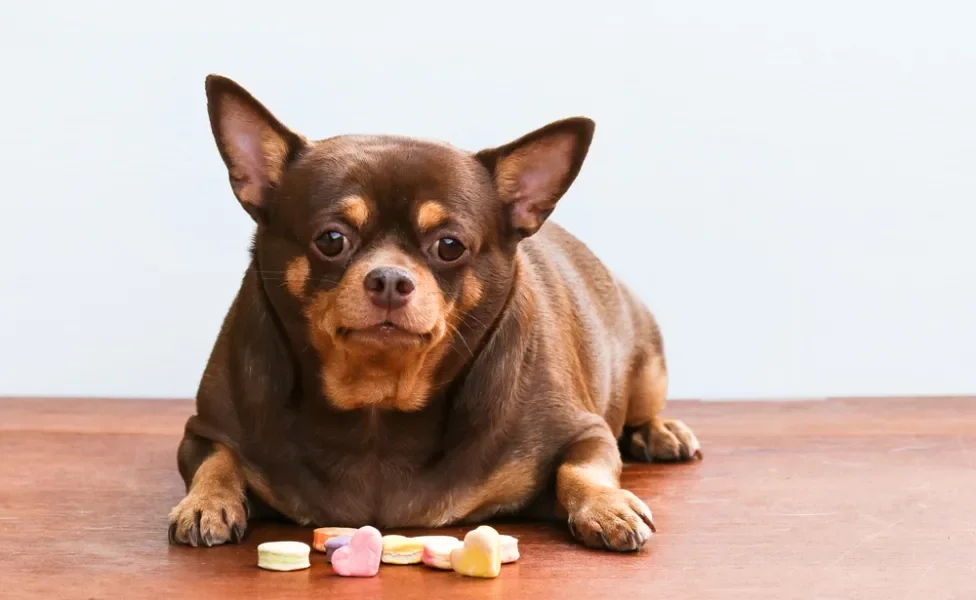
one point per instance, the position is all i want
(334, 544)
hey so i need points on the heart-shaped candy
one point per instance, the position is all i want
(361, 558)
(481, 555)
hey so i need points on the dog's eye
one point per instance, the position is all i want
(449, 249)
(331, 243)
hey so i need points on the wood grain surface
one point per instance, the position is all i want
(833, 499)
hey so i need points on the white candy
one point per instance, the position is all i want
(283, 556)
(510, 552)
(437, 551)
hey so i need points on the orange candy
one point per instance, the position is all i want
(323, 534)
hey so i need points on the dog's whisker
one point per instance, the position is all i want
(463, 341)
(476, 319)
(281, 277)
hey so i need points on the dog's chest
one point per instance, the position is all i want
(361, 468)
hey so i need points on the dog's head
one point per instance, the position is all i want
(388, 247)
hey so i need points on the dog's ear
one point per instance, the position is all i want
(532, 173)
(255, 146)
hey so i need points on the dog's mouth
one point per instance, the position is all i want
(384, 335)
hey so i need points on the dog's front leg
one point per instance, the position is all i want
(214, 509)
(601, 515)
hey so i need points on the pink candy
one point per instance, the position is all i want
(361, 558)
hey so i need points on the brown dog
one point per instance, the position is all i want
(412, 346)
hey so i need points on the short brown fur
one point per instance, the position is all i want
(414, 344)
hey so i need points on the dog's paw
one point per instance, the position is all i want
(208, 520)
(613, 520)
(664, 441)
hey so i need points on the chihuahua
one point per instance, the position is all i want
(414, 345)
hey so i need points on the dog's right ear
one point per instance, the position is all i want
(255, 146)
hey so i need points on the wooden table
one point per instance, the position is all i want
(831, 499)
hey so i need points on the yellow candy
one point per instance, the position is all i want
(402, 550)
(481, 554)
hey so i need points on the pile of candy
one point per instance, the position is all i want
(359, 552)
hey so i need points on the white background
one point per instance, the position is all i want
(790, 185)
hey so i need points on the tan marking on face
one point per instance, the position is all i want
(354, 376)
(431, 215)
(296, 275)
(354, 310)
(471, 292)
(319, 313)
(404, 382)
(355, 210)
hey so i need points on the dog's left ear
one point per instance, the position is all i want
(532, 173)
(254, 145)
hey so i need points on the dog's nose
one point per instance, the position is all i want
(389, 287)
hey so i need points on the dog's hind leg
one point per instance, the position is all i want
(647, 436)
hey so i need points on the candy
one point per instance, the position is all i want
(401, 550)
(361, 558)
(437, 551)
(334, 544)
(509, 549)
(322, 535)
(283, 556)
(480, 556)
